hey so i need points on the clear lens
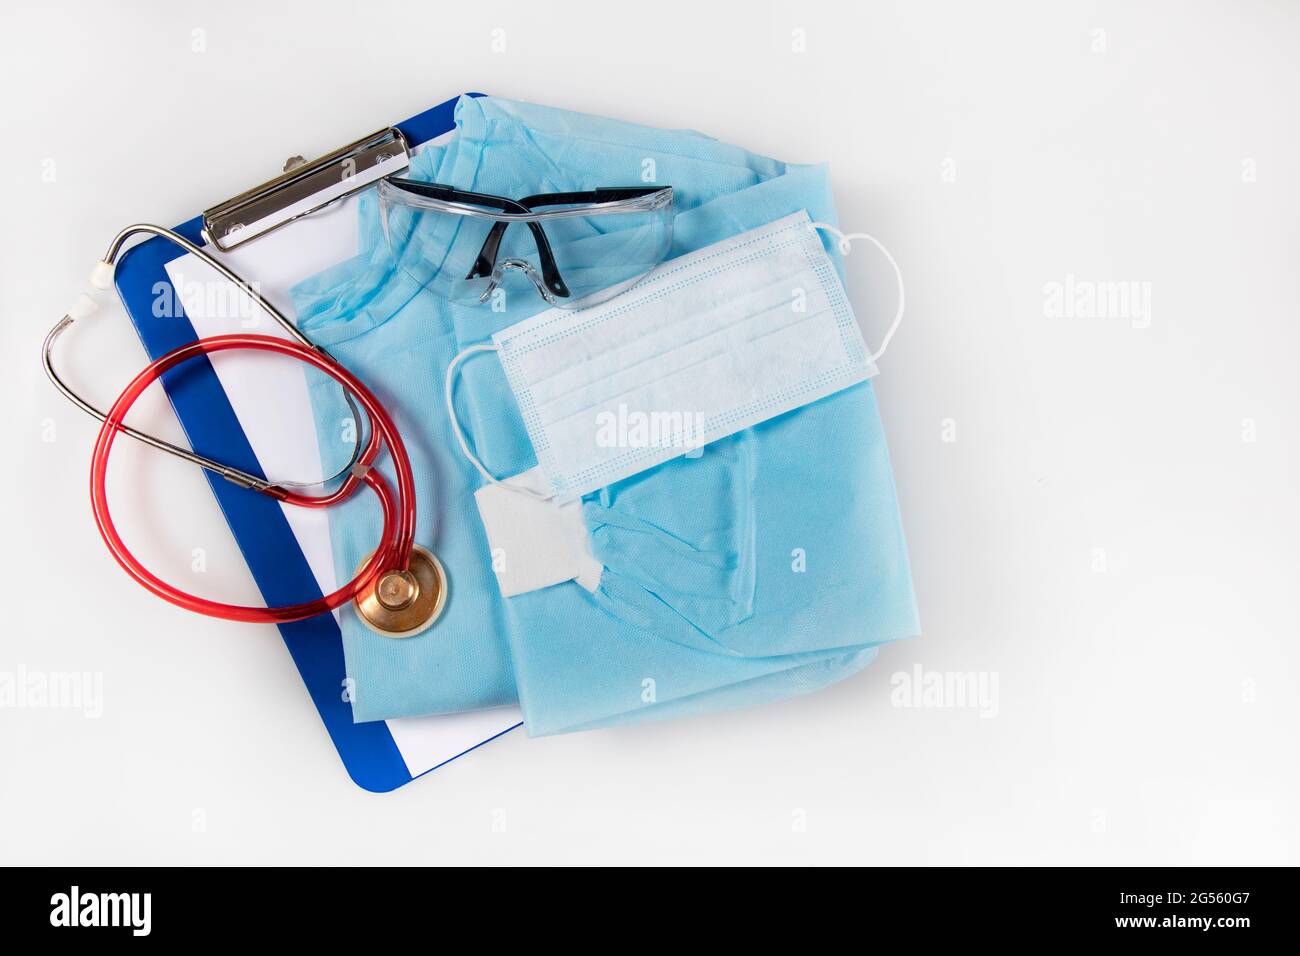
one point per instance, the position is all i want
(573, 256)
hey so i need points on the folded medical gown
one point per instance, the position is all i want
(771, 564)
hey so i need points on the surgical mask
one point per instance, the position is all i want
(704, 346)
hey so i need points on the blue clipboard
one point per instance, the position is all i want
(265, 539)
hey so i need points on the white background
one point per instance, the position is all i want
(1103, 534)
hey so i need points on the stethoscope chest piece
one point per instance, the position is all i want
(405, 603)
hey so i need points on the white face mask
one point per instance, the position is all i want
(704, 346)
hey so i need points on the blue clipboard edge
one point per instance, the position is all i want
(261, 531)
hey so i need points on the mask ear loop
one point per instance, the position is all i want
(448, 384)
(844, 242)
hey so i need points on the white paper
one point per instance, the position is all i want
(535, 543)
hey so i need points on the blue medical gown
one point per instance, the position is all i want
(772, 564)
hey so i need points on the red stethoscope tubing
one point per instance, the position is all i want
(399, 516)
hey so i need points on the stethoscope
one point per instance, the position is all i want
(398, 591)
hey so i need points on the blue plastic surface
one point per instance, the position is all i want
(263, 534)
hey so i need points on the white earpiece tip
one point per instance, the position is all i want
(83, 308)
(101, 277)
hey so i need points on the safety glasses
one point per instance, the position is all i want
(574, 248)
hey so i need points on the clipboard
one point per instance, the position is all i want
(381, 755)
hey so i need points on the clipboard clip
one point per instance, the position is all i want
(305, 188)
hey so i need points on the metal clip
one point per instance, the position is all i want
(305, 189)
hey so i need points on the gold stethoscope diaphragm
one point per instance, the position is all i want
(405, 603)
